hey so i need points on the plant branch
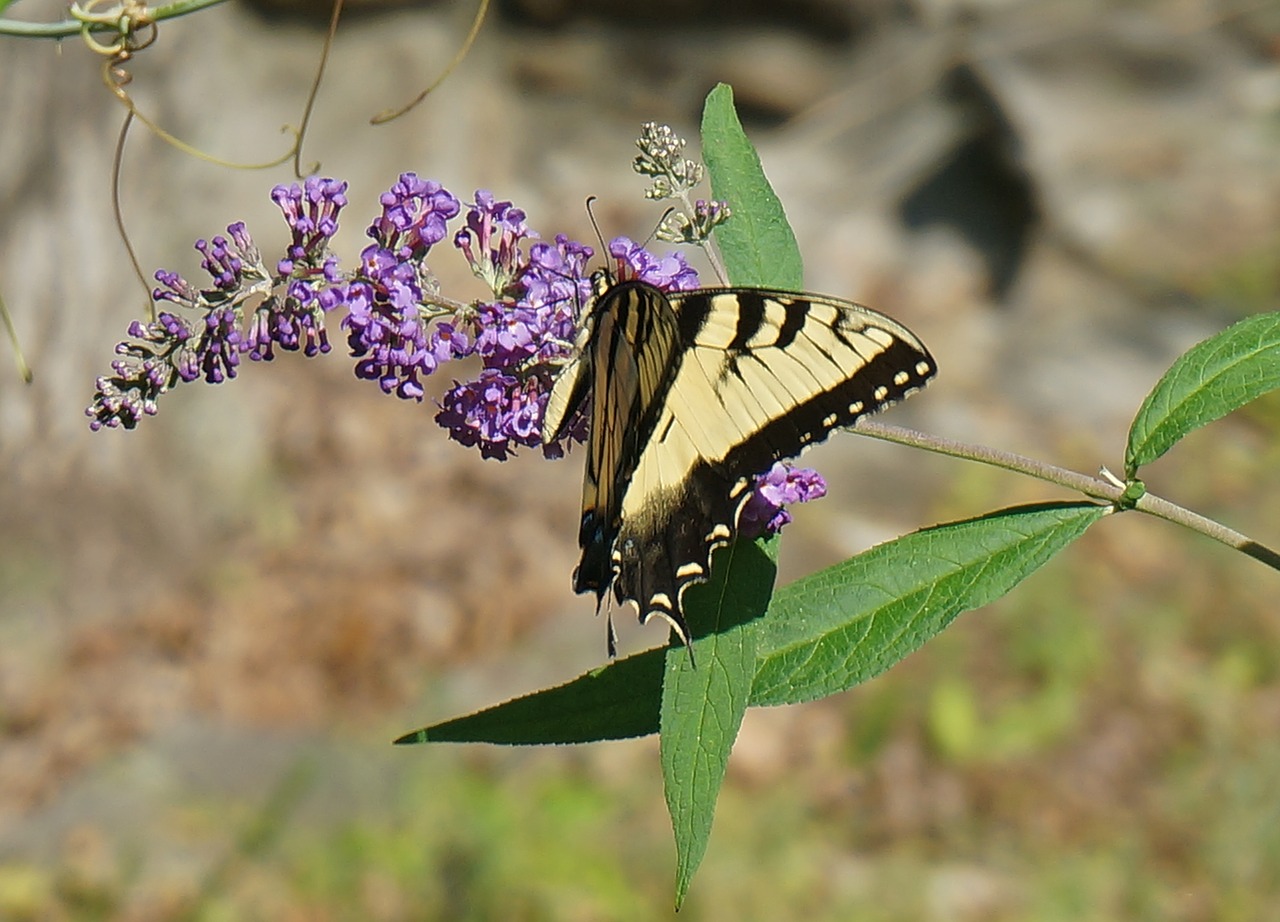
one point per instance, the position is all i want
(1093, 487)
(69, 27)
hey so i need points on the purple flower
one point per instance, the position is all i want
(491, 241)
(156, 360)
(524, 336)
(556, 284)
(670, 273)
(449, 342)
(387, 320)
(125, 397)
(223, 260)
(311, 210)
(415, 216)
(293, 323)
(218, 351)
(385, 332)
(521, 337)
(171, 349)
(495, 412)
(294, 320)
(539, 325)
(781, 485)
(234, 264)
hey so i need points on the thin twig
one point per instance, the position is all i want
(1092, 487)
(388, 115)
(329, 38)
(19, 358)
(117, 166)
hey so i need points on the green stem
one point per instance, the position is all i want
(18, 357)
(1093, 487)
(69, 27)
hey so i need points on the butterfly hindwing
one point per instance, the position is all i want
(694, 393)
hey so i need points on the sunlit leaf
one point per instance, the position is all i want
(705, 696)
(852, 621)
(757, 242)
(1211, 379)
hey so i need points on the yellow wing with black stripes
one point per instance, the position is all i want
(691, 395)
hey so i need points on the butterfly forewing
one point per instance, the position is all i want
(696, 392)
(628, 386)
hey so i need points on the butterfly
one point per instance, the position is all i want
(693, 393)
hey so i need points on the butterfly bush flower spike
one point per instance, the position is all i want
(290, 311)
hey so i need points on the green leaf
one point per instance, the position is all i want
(1214, 377)
(837, 628)
(620, 700)
(617, 701)
(702, 705)
(756, 242)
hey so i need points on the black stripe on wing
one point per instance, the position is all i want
(888, 377)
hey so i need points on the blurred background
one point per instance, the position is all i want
(212, 627)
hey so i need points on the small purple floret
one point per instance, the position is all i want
(415, 216)
(311, 211)
(781, 485)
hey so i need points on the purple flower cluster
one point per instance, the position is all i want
(491, 241)
(398, 328)
(778, 487)
(525, 336)
(171, 349)
(146, 369)
(387, 321)
(308, 272)
(415, 217)
(670, 273)
(521, 338)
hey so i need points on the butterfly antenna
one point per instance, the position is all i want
(604, 250)
(657, 227)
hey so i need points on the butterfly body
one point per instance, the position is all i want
(692, 394)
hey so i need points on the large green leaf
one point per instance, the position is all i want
(823, 634)
(622, 699)
(614, 702)
(852, 621)
(757, 243)
(703, 704)
(1214, 377)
